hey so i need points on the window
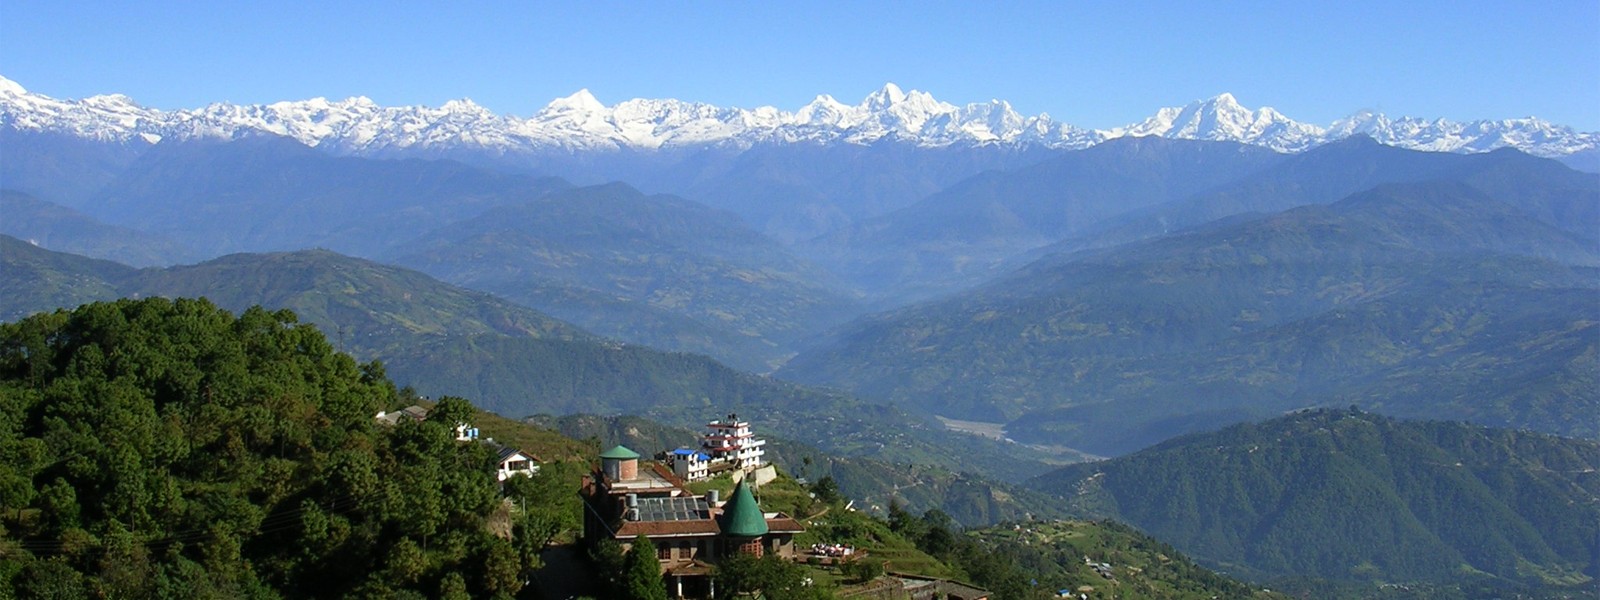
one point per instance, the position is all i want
(664, 551)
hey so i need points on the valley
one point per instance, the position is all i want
(994, 431)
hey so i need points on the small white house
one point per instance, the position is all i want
(511, 462)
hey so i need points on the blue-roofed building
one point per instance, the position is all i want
(690, 464)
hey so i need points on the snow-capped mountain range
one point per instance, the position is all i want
(580, 122)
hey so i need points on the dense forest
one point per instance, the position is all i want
(166, 448)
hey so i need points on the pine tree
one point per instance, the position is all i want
(641, 572)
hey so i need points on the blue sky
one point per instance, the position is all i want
(1092, 64)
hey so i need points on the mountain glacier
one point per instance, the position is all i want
(581, 123)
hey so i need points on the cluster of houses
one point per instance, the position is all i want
(727, 444)
(509, 461)
(625, 498)
(1102, 568)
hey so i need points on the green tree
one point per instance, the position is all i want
(451, 412)
(827, 490)
(770, 577)
(502, 568)
(860, 571)
(641, 572)
(453, 587)
(609, 559)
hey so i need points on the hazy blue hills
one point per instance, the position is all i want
(657, 270)
(1354, 496)
(366, 307)
(60, 228)
(1138, 188)
(794, 192)
(1543, 188)
(267, 193)
(1362, 301)
(61, 167)
(966, 232)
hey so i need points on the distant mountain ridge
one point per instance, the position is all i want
(657, 270)
(55, 226)
(581, 123)
(1431, 298)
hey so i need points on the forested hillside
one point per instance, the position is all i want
(38, 280)
(161, 448)
(1384, 500)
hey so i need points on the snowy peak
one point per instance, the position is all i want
(884, 98)
(11, 88)
(1222, 118)
(580, 102)
(580, 122)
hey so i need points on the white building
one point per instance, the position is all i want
(729, 440)
(690, 465)
(511, 462)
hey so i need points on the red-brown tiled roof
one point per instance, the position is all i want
(629, 529)
(783, 524)
(668, 475)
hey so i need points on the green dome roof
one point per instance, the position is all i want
(741, 516)
(619, 453)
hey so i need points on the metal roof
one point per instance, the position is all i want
(741, 516)
(619, 452)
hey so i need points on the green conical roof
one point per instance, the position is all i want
(741, 516)
(619, 452)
